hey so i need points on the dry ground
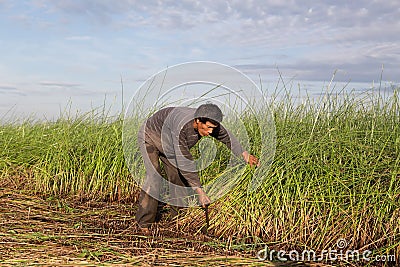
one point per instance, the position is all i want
(50, 232)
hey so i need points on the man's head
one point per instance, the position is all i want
(206, 118)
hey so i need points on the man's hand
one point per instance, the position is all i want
(203, 198)
(250, 159)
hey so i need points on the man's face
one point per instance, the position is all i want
(204, 129)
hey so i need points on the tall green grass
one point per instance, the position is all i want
(79, 156)
(335, 173)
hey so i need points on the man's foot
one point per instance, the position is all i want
(174, 212)
(144, 231)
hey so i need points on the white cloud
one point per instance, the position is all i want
(10, 90)
(79, 38)
(326, 34)
(253, 19)
(320, 35)
(59, 84)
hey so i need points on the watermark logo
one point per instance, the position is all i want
(341, 252)
(341, 243)
(246, 116)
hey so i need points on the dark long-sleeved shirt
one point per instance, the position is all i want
(171, 131)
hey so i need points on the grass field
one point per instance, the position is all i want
(65, 188)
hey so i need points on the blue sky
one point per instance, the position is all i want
(55, 52)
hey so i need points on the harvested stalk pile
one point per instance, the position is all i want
(58, 232)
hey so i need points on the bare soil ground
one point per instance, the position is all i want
(51, 232)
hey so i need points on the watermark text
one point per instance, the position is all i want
(340, 253)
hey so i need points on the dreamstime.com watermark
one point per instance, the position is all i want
(340, 253)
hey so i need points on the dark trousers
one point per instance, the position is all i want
(152, 189)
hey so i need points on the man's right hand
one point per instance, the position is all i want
(204, 200)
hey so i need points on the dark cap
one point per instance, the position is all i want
(209, 111)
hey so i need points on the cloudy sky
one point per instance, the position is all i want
(77, 51)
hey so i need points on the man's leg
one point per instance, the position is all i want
(179, 190)
(150, 193)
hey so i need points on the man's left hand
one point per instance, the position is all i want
(251, 159)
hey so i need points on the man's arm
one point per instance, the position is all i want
(227, 138)
(187, 167)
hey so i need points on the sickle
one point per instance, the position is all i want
(205, 230)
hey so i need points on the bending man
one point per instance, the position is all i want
(167, 136)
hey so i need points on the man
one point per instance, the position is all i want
(167, 136)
